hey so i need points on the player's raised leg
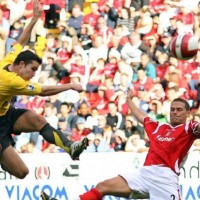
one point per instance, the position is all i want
(116, 186)
(10, 161)
(30, 121)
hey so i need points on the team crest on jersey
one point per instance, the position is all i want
(12, 50)
(30, 87)
(168, 133)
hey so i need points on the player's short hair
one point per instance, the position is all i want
(187, 106)
(27, 57)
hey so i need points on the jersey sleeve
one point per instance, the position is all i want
(15, 85)
(193, 125)
(150, 125)
(29, 89)
(11, 56)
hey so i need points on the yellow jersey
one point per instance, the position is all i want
(11, 84)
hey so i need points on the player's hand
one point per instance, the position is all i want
(76, 87)
(129, 95)
(37, 9)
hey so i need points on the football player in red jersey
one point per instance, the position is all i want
(169, 144)
(17, 68)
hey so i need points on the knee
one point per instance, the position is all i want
(101, 186)
(39, 122)
(22, 173)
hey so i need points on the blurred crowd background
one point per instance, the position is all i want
(110, 47)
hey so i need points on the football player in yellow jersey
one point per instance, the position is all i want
(16, 70)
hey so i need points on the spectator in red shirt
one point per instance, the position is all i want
(162, 67)
(36, 104)
(108, 87)
(96, 77)
(92, 17)
(122, 106)
(157, 92)
(5, 8)
(75, 64)
(112, 65)
(143, 81)
(101, 102)
(64, 53)
(119, 35)
(157, 6)
(185, 15)
(117, 4)
(103, 30)
(80, 132)
(102, 4)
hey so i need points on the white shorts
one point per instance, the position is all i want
(160, 182)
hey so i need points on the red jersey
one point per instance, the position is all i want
(29, 6)
(106, 33)
(110, 69)
(168, 144)
(91, 19)
(99, 73)
(161, 71)
(187, 19)
(77, 68)
(63, 55)
(118, 4)
(148, 84)
(157, 5)
(78, 135)
(194, 69)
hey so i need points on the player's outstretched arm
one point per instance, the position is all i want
(137, 113)
(52, 90)
(37, 12)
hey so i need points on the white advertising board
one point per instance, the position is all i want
(65, 179)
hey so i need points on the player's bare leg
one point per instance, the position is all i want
(11, 162)
(116, 186)
(30, 121)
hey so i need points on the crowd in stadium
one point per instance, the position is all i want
(110, 47)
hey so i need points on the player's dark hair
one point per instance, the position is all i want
(27, 57)
(187, 106)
